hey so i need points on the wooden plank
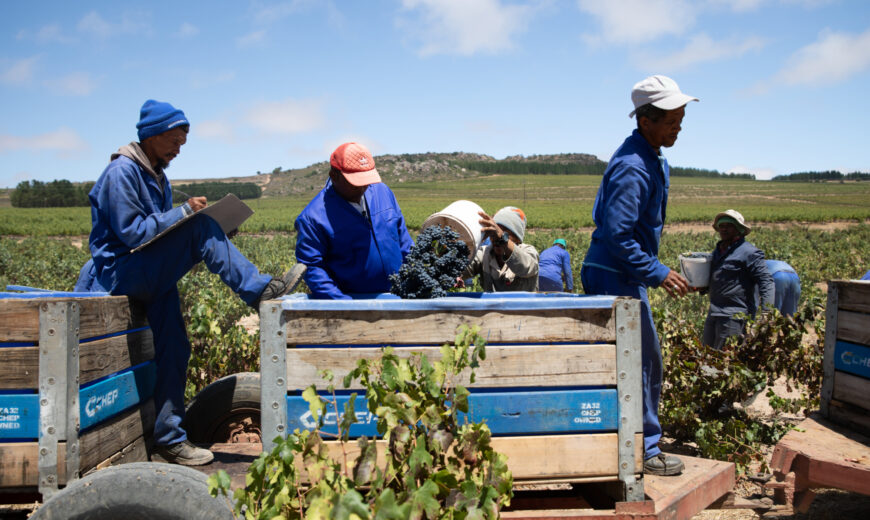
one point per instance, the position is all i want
(426, 327)
(566, 457)
(19, 366)
(852, 389)
(854, 327)
(504, 366)
(99, 316)
(18, 460)
(831, 315)
(850, 416)
(854, 295)
(506, 413)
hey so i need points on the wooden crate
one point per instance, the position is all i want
(560, 387)
(846, 385)
(76, 378)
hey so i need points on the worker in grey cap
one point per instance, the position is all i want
(629, 215)
(506, 263)
(737, 270)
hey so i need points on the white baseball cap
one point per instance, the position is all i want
(661, 91)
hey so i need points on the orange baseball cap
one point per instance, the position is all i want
(356, 163)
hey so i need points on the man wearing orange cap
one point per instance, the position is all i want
(352, 235)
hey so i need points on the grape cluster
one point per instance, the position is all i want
(432, 266)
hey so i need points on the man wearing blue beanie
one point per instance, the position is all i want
(131, 203)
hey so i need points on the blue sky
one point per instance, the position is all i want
(782, 83)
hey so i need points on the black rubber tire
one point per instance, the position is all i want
(227, 410)
(137, 491)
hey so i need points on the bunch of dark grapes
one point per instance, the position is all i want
(431, 268)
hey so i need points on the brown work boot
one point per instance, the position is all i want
(663, 465)
(278, 287)
(184, 453)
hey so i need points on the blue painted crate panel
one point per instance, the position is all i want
(19, 413)
(852, 358)
(506, 413)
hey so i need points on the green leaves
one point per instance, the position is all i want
(415, 402)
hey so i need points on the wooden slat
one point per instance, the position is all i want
(427, 327)
(565, 457)
(99, 316)
(854, 296)
(504, 366)
(854, 327)
(852, 389)
(19, 366)
(19, 460)
(850, 416)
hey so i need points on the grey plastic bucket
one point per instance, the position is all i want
(460, 216)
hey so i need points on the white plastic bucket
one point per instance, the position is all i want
(696, 268)
(462, 217)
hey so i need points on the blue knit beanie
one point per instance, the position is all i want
(157, 117)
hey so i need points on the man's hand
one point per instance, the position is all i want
(675, 284)
(460, 283)
(489, 228)
(197, 203)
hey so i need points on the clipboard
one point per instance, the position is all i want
(229, 213)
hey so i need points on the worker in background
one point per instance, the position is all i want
(131, 203)
(736, 269)
(786, 286)
(866, 276)
(506, 263)
(629, 214)
(352, 235)
(554, 268)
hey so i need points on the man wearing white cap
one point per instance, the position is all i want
(737, 270)
(352, 235)
(629, 215)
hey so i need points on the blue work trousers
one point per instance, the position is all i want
(787, 292)
(600, 281)
(151, 275)
(549, 285)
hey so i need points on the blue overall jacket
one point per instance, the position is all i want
(347, 252)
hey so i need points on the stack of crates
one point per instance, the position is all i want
(846, 385)
(560, 388)
(76, 379)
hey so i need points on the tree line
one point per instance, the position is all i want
(55, 194)
(574, 168)
(63, 193)
(829, 175)
(215, 191)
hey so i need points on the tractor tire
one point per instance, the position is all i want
(226, 411)
(137, 491)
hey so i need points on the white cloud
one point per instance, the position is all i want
(75, 84)
(187, 30)
(199, 79)
(19, 72)
(46, 34)
(286, 117)
(214, 129)
(95, 25)
(638, 21)
(64, 141)
(701, 49)
(833, 58)
(465, 27)
(251, 39)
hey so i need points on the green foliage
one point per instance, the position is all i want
(828, 175)
(55, 194)
(433, 467)
(214, 191)
(703, 385)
